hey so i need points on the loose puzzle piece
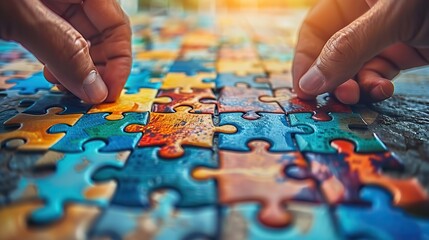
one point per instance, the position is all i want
(96, 126)
(380, 220)
(181, 127)
(31, 85)
(259, 176)
(274, 66)
(192, 67)
(260, 129)
(186, 83)
(232, 80)
(137, 102)
(340, 127)
(310, 221)
(162, 221)
(143, 79)
(201, 101)
(278, 81)
(71, 182)
(320, 107)
(33, 129)
(246, 100)
(242, 68)
(146, 172)
(70, 103)
(15, 225)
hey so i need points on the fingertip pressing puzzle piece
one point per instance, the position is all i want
(33, 128)
(138, 102)
(259, 176)
(181, 127)
(187, 83)
(260, 129)
(201, 100)
(348, 126)
(96, 126)
(246, 100)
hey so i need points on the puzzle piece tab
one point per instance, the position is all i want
(187, 83)
(260, 129)
(181, 127)
(201, 101)
(337, 128)
(259, 176)
(96, 126)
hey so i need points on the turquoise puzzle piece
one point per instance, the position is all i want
(231, 80)
(337, 128)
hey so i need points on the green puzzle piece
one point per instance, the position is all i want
(337, 128)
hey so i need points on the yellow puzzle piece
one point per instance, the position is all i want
(277, 67)
(157, 55)
(139, 102)
(34, 128)
(239, 67)
(186, 83)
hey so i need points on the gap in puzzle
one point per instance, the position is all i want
(208, 141)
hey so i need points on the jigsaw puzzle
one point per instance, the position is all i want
(207, 141)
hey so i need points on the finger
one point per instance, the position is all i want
(49, 76)
(109, 19)
(348, 49)
(348, 92)
(319, 25)
(68, 57)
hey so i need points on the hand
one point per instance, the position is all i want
(84, 45)
(354, 48)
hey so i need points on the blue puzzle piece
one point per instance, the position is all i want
(162, 221)
(31, 84)
(228, 79)
(69, 182)
(70, 103)
(337, 128)
(270, 127)
(141, 79)
(13, 100)
(145, 172)
(381, 220)
(240, 220)
(95, 126)
(191, 67)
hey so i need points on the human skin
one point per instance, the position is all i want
(354, 48)
(85, 46)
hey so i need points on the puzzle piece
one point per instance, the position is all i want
(274, 66)
(13, 100)
(259, 176)
(283, 80)
(70, 103)
(162, 221)
(139, 80)
(15, 225)
(310, 221)
(231, 80)
(192, 67)
(138, 102)
(96, 126)
(337, 128)
(33, 129)
(260, 129)
(31, 85)
(246, 100)
(76, 168)
(197, 54)
(156, 69)
(157, 55)
(320, 107)
(186, 83)
(145, 171)
(181, 127)
(380, 220)
(241, 68)
(238, 54)
(201, 101)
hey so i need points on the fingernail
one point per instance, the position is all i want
(94, 87)
(312, 81)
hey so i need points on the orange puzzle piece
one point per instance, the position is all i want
(260, 176)
(138, 102)
(33, 128)
(173, 130)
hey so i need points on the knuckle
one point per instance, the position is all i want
(339, 49)
(79, 50)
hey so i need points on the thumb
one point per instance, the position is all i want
(61, 48)
(348, 49)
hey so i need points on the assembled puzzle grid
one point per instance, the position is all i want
(207, 141)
